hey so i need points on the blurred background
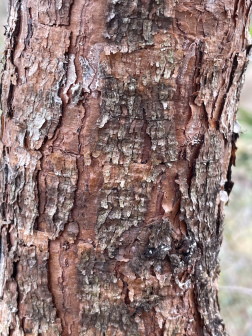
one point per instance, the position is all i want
(3, 13)
(236, 255)
(235, 290)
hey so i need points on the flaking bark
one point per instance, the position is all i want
(118, 133)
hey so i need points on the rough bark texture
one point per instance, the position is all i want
(118, 134)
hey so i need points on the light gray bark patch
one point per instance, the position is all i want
(54, 12)
(88, 74)
(26, 211)
(133, 129)
(95, 275)
(42, 91)
(117, 215)
(9, 71)
(18, 203)
(71, 75)
(135, 23)
(205, 224)
(8, 282)
(126, 137)
(153, 250)
(57, 186)
(2, 262)
(39, 308)
(91, 68)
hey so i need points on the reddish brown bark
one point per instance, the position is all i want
(118, 137)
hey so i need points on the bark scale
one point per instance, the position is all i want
(118, 134)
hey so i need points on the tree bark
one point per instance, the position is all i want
(118, 135)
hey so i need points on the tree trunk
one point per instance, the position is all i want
(118, 134)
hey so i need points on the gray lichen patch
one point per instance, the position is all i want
(134, 24)
(88, 74)
(201, 212)
(140, 118)
(40, 93)
(56, 13)
(57, 188)
(148, 263)
(36, 315)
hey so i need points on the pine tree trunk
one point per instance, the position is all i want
(118, 134)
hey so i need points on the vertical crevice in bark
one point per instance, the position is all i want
(228, 186)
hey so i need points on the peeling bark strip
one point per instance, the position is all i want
(118, 132)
